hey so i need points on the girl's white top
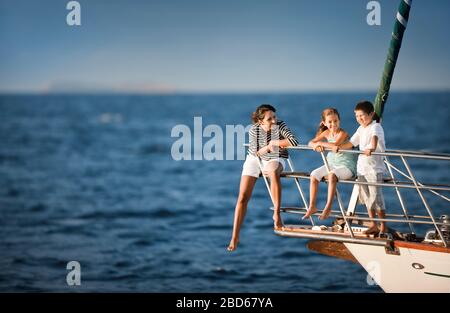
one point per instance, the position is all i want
(369, 164)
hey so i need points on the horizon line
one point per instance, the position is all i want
(214, 92)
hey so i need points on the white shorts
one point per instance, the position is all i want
(251, 166)
(341, 172)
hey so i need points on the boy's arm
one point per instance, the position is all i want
(373, 146)
(346, 146)
(353, 142)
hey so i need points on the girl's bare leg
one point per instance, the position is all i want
(245, 192)
(313, 186)
(332, 180)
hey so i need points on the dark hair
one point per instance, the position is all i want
(367, 107)
(260, 111)
(325, 113)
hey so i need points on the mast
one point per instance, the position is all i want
(394, 48)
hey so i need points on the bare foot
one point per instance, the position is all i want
(373, 230)
(277, 223)
(233, 245)
(310, 212)
(324, 214)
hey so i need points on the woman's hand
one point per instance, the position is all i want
(273, 145)
(265, 150)
(335, 148)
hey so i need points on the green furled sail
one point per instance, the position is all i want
(394, 48)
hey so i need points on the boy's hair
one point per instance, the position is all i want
(367, 107)
(260, 111)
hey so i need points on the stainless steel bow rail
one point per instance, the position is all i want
(442, 229)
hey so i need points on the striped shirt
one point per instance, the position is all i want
(259, 138)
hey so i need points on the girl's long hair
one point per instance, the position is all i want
(325, 113)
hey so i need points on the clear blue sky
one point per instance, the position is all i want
(218, 46)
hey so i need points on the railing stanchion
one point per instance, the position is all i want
(299, 187)
(421, 185)
(400, 198)
(413, 178)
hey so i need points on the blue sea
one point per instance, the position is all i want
(91, 178)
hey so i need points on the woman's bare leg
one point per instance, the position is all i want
(332, 180)
(313, 187)
(274, 170)
(245, 192)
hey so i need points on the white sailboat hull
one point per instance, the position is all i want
(413, 270)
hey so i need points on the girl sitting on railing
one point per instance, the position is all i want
(341, 165)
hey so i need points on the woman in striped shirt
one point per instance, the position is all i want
(268, 139)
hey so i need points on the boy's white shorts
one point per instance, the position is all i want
(251, 166)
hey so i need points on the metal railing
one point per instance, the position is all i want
(412, 183)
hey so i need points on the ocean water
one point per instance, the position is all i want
(91, 179)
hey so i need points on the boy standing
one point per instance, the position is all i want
(370, 168)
